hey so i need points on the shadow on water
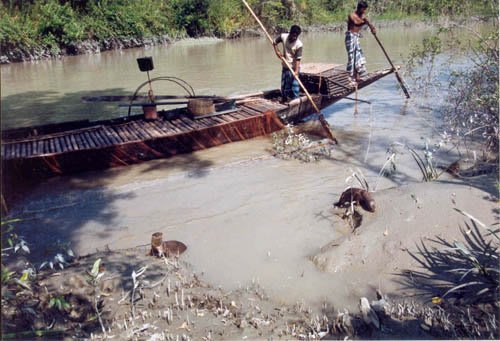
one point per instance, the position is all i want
(57, 108)
(80, 197)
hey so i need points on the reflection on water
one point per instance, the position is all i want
(50, 91)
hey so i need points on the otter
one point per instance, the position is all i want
(359, 197)
(167, 248)
(173, 248)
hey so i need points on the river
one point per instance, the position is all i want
(244, 215)
(51, 90)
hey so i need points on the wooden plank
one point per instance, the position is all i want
(97, 138)
(147, 130)
(125, 133)
(69, 144)
(5, 150)
(244, 113)
(16, 148)
(89, 139)
(238, 116)
(203, 122)
(173, 127)
(52, 145)
(251, 111)
(192, 124)
(116, 135)
(85, 141)
(29, 149)
(132, 133)
(61, 133)
(179, 124)
(121, 134)
(104, 137)
(163, 127)
(218, 120)
(142, 130)
(91, 135)
(33, 148)
(62, 142)
(215, 114)
(23, 150)
(156, 129)
(119, 131)
(79, 140)
(59, 148)
(46, 146)
(40, 147)
(111, 135)
(139, 131)
(226, 118)
(12, 151)
(151, 129)
(74, 142)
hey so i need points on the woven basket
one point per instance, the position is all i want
(199, 107)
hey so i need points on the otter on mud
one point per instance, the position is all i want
(357, 196)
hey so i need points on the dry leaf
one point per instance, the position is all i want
(184, 326)
(436, 300)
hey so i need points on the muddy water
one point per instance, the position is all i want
(244, 215)
(51, 91)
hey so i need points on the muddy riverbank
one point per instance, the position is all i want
(175, 299)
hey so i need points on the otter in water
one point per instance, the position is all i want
(357, 196)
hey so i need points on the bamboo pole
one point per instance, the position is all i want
(400, 80)
(324, 123)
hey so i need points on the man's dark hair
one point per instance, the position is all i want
(295, 29)
(361, 5)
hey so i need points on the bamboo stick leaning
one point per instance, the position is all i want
(322, 119)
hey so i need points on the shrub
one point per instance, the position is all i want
(474, 98)
(57, 24)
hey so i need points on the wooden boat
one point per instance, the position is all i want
(43, 151)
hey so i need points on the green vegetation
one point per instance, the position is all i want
(471, 112)
(55, 24)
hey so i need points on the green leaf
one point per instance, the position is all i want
(10, 221)
(24, 277)
(95, 268)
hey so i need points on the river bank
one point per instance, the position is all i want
(381, 263)
(14, 54)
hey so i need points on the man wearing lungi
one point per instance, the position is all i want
(355, 57)
(292, 53)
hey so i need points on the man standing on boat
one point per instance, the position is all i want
(355, 58)
(292, 52)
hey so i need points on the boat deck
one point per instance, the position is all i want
(133, 131)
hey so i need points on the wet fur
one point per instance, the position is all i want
(359, 197)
